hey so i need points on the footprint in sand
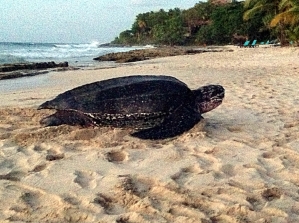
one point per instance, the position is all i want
(32, 199)
(229, 170)
(116, 156)
(86, 179)
(106, 202)
(54, 155)
(39, 167)
(13, 176)
(182, 175)
(272, 193)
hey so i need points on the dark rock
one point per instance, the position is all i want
(31, 66)
(113, 45)
(8, 71)
(139, 55)
(145, 54)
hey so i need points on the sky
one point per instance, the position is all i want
(74, 21)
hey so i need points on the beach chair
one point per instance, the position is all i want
(253, 44)
(273, 43)
(264, 44)
(291, 43)
(246, 44)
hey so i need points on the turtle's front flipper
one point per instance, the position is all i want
(181, 120)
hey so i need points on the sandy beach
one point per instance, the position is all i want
(240, 164)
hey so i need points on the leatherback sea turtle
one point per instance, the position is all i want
(158, 106)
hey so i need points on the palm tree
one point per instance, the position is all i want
(141, 26)
(289, 17)
(270, 8)
(289, 13)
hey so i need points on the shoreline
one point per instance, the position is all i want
(20, 70)
(239, 164)
(110, 60)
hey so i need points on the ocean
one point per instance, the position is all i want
(79, 55)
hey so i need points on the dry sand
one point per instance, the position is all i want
(241, 164)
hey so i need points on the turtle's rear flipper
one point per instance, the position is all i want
(183, 119)
(68, 117)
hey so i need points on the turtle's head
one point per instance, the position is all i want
(208, 97)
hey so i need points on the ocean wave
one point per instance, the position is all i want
(62, 46)
(6, 59)
(94, 44)
(58, 52)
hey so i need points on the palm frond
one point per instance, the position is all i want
(290, 17)
(249, 3)
(277, 19)
(284, 4)
(293, 34)
(251, 12)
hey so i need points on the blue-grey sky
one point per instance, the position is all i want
(74, 21)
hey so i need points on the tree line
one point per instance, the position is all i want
(215, 23)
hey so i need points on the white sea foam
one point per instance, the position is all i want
(79, 54)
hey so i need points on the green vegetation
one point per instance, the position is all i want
(210, 23)
(280, 17)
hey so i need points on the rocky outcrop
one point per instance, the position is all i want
(8, 71)
(31, 66)
(113, 45)
(145, 54)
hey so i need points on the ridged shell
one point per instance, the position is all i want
(144, 94)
